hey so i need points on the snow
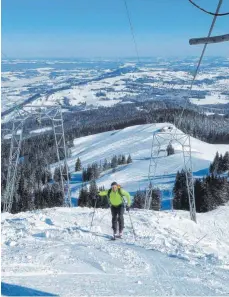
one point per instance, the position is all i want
(212, 113)
(53, 251)
(37, 131)
(88, 92)
(8, 136)
(214, 98)
(20, 83)
(137, 141)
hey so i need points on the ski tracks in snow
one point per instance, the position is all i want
(55, 251)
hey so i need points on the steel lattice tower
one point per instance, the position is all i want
(163, 138)
(19, 118)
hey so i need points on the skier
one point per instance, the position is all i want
(115, 195)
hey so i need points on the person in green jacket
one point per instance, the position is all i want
(116, 198)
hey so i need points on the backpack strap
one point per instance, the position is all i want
(120, 192)
(108, 193)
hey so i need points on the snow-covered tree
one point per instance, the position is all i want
(78, 165)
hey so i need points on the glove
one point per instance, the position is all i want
(127, 208)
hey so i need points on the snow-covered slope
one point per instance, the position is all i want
(53, 251)
(137, 141)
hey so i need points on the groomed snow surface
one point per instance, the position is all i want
(53, 252)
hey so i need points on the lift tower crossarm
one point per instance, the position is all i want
(207, 40)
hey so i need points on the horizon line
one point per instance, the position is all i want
(112, 57)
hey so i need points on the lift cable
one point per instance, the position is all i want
(4, 55)
(131, 29)
(199, 63)
(208, 12)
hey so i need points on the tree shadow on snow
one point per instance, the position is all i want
(15, 290)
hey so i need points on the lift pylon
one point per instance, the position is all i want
(19, 118)
(160, 140)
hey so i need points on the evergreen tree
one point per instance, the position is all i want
(46, 193)
(38, 200)
(211, 168)
(57, 175)
(120, 160)
(123, 159)
(15, 205)
(215, 164)
(170, 150)
(89, 172)
(221, 165)
(156, 200)
(100, 168)
(95, 170)
(139, 199)
(210, 192)
(105, 165)
(93, 190)
(198, 189)
(102, 201)
(56, 195)
(180, 192)
(84, 175)
(83, 197)
(177, 192)
(204, 199)
(78, 165)
(114, 163)
(129, 159)
(225, 165)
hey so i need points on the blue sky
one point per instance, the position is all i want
(100, 28)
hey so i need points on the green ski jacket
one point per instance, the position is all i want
(115, 198)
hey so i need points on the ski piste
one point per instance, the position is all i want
(54, 251)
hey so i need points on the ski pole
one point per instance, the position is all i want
(132, 226)
(93, 214)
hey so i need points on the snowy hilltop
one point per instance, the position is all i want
(137, 141)
(54, 252)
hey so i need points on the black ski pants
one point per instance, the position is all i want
(117, 217)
